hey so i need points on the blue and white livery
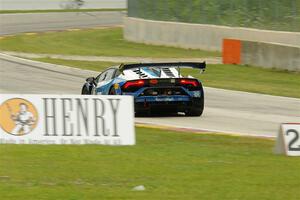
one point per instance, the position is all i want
(156, 87)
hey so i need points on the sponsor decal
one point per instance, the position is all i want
(66, 119)
(197, 94)
(116, 86)
(18, 116)
(164, 99)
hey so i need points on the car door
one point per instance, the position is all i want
(99, 82)
(105, 80)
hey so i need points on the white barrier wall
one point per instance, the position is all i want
(199, 36)
(59, 4)
(270, 55)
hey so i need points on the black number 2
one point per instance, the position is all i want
(294, 140)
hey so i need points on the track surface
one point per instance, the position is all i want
(225, 110)
(19, 23)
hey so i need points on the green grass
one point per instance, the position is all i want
(103, 42)
(95, 66)
(233, 77)
(251, 79)
(60, 10)
(171, 165)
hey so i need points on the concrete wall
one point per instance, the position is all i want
(58, 4)
(270, 55)
(199, 36)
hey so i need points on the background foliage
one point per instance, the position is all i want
(264, 14)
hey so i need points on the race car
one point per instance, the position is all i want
(156, 87)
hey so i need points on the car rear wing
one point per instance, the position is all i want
(196, 65)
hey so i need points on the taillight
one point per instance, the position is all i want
(189, 82)
(153, 81)
(138, 83)
(131, 86)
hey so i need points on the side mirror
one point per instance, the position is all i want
(90, 80)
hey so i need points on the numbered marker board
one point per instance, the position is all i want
(288, 140)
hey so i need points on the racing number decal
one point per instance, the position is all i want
(291, 144)
(288, 139)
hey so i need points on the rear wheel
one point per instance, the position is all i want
(196, 110)
(141, 114)
(112, 91)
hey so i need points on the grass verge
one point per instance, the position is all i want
(98, 42)
(234, 77)
(171, 165)
(59, 10)
(89, 65)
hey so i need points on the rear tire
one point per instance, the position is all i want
(196, 111)
(112, 91)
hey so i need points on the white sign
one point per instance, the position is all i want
(66, 119)
(288, 140)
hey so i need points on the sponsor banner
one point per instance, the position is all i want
(288, 139)
(66, 119)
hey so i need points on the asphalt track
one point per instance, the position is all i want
(225, 110)
(20, 23)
